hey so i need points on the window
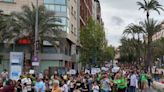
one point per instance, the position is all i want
(72, 28)
(57, 8)
(10, 1)
(49, 49)
(75, 14)
(49, 1)
(60, 2)
(63, 20)
(72, 10)
(50, 7)
(63, 8)
(75, 31)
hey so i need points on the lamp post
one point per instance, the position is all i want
(35, 58)
(36, 31)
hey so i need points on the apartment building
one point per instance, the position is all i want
(65, 55)
(160, 34)
(85, 11)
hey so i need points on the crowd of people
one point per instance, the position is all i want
(125, 80)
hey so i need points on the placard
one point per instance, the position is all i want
(95, 70)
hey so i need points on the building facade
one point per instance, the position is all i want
(160, 34)
(85, 11)
(65, 55)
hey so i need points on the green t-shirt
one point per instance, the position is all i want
(143, 77)
(121, 83)
(99, 77)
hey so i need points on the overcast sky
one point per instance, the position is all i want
(117, 14)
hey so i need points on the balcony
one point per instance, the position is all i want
(42, 56)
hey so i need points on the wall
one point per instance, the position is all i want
(8, 7)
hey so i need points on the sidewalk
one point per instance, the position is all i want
(158, 86)
(148, 90)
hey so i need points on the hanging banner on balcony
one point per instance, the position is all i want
(16, 64)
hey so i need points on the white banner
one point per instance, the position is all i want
(95, 70)
(16, 64)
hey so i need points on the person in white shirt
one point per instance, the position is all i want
(95, 87)
(5, 74)
(133, 82)
(65, 87)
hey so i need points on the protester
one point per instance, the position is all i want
(133, 82)
(123, 79)
(19, 86)
(4, 75)
(95, 87)
(105, 84)
(40, 86)
(56, 87)
(1, 85)
(9, 87)
(65, 86)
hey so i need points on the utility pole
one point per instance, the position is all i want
(35, 59)
(36, 30)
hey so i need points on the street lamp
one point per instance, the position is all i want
(36, 31)
(35, 58)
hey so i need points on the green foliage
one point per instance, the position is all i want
(150, 5)
(109, 53)
(92, 39)
(132, 49)
(158, 46)
(22, 24)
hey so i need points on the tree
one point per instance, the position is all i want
(150, 5)
(109, 53)
(22, 25)
(135, 30)
(92, 39)
(150, 27)
(5, 22)
(128, 51)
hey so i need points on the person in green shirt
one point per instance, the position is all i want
(144, 80)
(121, 84)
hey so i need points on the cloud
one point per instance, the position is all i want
(117, 14)
(117, 20)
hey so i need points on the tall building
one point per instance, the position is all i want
(65, 55)
(85, 11)
(96, 10)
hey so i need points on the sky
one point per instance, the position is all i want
(117, 14)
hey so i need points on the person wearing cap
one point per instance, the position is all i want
(56, 87)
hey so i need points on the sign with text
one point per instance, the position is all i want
(16, 64)
(95, 70)
(35, 61)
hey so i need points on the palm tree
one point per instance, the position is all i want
(150, 27)
(150, 5)
(22, 24)
(135, 30)
(128, 50)
(5, 22)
